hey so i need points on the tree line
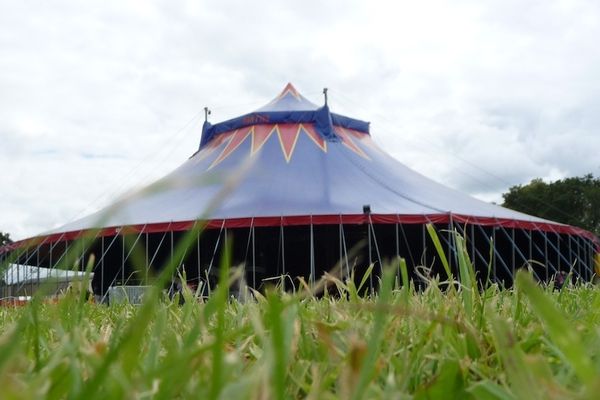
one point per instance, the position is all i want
(5, 238)
(572, 201)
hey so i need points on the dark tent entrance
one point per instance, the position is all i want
(281, 254)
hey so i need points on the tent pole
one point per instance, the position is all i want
(514, 250)
(55, 245)
(81, 266)
(283, 250)
(29, 257)
(556, 268)
(451, 250)
(65, 256)
(370, 255)
(215, 249)
(12, 276)
(494, 256)
(493, 250)
(408, 246)
(442, 237)
(592, 258)
(477, 254)
(19, 285)
(560, 255)
(157, 249)
(26, 265)
(472, 244)
(50, 257)
(68, 267)
(376, 247)
(578, 255)
(116, 276)
(579, 259)
(122, 257)
(397, 226)
(278, 258)
(172, 260)
(445, 239)
(531, 264)
(102, 267)
(26, 274)
(571, 261)
(312, 255)
(514, 258)
(198, 268)
(3, 286)
(398, 272)
(590, 252)
(131, 251)
(549, 243)
(530, 248)
(226, 241)
(340, 237)
(546, 261)
(37, 263)
(50, 260)
(580, 244)
(424, 253)
(589, 264)
(253, 257)
(23, 285)
(584, 254)
(18, 268)
(146, 260)
(558, 251)
(345, 250)
(6, 267)
(80, 261)
(31, 280)
(245, 262)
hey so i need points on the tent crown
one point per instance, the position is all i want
(289, 107)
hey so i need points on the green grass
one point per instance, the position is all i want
(459, 342)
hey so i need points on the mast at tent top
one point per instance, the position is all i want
(325, 94)
(206, 114)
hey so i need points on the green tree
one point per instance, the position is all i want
(4, 238)
(573, 201)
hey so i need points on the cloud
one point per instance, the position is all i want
(96, 98)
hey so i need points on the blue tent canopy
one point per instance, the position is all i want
(303, 161)
(294, 163)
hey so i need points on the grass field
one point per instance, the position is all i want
(525, 343)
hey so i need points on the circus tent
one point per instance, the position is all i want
(293, 187)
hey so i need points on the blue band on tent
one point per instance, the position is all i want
(323, 119)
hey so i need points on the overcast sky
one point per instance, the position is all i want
(99, 97)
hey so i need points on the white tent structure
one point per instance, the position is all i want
(19, 279)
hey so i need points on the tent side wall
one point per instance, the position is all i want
(282, 253)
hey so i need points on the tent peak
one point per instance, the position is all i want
(289, 107)
(289, 88)
(289, 99)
